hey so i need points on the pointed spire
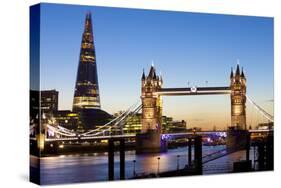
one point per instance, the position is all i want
(151, 72)
(88, 22)
(231, 73)
(160, 76)
(154, 76)
(154, 71)
(89, 14)
(237, 73)
(143, 75)
(242, 73)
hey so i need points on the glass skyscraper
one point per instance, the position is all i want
(86, 94)
(86, 100)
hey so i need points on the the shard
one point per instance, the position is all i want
(86, 94)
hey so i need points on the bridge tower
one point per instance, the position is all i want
(237, 134)
(151, 102)
(238, 99)
(149, 140)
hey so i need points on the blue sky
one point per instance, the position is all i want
(185, 47)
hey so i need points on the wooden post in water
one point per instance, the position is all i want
(122, 159)
(189, 151)
(198, 154)
(110, 159)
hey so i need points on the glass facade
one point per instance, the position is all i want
(86, 94)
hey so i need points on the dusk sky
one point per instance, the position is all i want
(185, 47)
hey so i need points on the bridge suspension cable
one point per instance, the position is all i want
(132, 113)
(100, 130)
(108, 127)
(109, 124)
(261, 110)
(59, 131)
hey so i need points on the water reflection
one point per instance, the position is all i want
(93, 167)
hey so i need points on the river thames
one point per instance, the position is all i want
(94, 166)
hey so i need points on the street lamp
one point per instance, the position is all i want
(158, 168)
(178, 162)
(134, 168)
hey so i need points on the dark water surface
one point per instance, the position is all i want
(94, 167)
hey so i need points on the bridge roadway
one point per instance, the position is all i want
(194, 91)
(130, 136)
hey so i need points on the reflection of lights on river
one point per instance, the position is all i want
(145, 164)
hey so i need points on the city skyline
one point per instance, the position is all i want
(133, 42)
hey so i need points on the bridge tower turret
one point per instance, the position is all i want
(238, 99)
(151, 101)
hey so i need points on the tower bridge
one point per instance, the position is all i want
(152, 92)
(152, 105)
